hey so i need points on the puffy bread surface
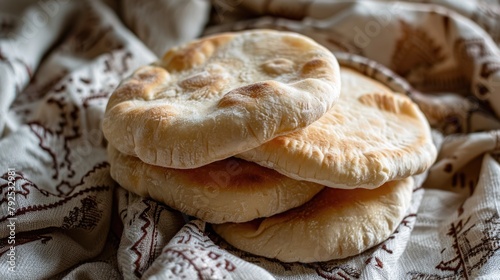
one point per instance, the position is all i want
(221, 95)
(230, 190)
(371, 136)
(335, 224)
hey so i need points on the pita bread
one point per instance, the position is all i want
(231, 190)
(369, 137)
(335, 224)
(220, 96)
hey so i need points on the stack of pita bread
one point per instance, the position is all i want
(262, 134)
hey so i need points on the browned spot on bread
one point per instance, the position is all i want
(280, 141)
(259, 90)
(247, 179)
(232, 101)
(162, 112)
(212, 174)
(197, 81)
(147, 77)
(204, 79)
(128, 91)
(316, 68)
(388, 102)
(278, 66)
(179, 59)
(232, 174)
(140, 86)
(150, 75)
(297, 42)
(247, 94)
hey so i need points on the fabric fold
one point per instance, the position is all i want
(60, 61)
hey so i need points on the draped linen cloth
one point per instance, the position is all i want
(63, 217)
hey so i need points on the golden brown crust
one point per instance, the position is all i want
(221, 95)
(334, 224)
(369, 137)
(195, 54)
(223, 191)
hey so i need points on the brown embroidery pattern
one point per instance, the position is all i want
(43, 235)
(63, 138)
(37, 89)
(23, 187)
(475, 53)
(47, 138)
(337, 271)
(468, 253)
(144, 248)
(34, 208)
(193, 234)
(196, 259)
(118, 62)
(385, 248)
(60, 199)
(467, 178)
(93, 36)
(415, 50)
(195, 254)
(86, 216)
(487, 15)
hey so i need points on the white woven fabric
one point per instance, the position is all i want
(63, 217)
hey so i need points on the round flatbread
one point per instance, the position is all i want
(369, 137)
(231, 190)
(335, 224)
(220, 96)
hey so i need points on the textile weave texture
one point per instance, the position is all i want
(60, 61)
